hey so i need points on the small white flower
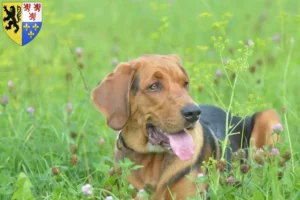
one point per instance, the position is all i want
(275, 152)
(30, 110)
(250, 42)
(109, 198)
(259, 151)
(130, 186)
(101, 141)
(277, 128)
(141, 194)
(87, 189)
(78, 52)
(218, 73)
(200, 175)
(115, 61)
(10, 85)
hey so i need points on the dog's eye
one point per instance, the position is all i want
(186, 85)
(154, 87)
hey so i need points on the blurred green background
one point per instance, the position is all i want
(47, 74)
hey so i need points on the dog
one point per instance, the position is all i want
(163, 129)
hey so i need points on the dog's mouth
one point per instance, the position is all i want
(181, 142)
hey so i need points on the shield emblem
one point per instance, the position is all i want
(22, 21)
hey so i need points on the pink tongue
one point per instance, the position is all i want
(182, 144)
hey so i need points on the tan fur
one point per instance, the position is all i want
(115, 110)
(262, 130)
(159, 167)
(183, 188)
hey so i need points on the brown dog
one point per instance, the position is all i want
(147, 100)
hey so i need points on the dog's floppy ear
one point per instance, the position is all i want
(262, 128)
(111, 97)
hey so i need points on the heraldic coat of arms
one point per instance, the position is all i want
(22, 21)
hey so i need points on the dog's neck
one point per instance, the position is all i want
(156, 164)
(120, 143)
(134, 137)
(138, 131)
(129, 147)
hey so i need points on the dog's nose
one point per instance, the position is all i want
(191, 113)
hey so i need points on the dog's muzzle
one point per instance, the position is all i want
(191, 113)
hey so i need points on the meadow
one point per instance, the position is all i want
(242, 55)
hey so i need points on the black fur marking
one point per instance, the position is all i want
(208, 141)
(215, 119)
(122, 141)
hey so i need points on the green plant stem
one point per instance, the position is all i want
(229, 82)
(219, 99)
(86, 162)
(285, 101)
(224, 144)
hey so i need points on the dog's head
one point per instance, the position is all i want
(150, 95)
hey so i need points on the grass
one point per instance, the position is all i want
(47, 75)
